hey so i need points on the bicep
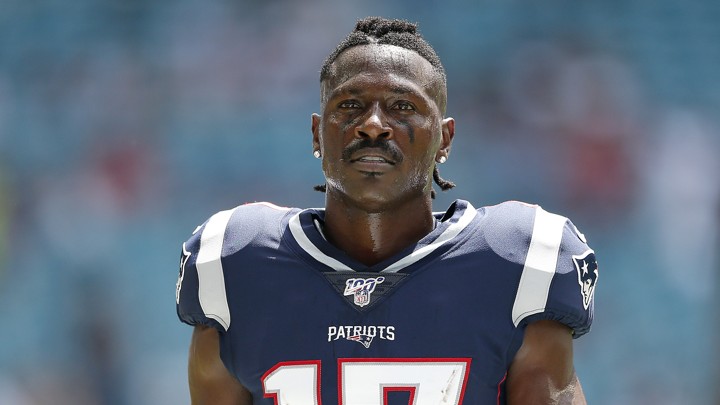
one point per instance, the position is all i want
(210, 381)
(542, 372)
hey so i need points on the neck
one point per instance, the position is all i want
(371, 237)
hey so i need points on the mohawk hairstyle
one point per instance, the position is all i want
(378, 30)
(401, 33)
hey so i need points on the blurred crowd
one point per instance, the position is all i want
(124, 124)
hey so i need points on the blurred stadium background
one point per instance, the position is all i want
(124, 124)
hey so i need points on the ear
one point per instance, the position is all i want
(315, 127)
(448, 133)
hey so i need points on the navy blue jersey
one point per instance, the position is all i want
(300, 322)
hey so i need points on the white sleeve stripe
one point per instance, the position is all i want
(540, 265)
(211, 281)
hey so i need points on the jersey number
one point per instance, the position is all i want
(368, 381)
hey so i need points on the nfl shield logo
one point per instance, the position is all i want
(362, 298)
(360, 289)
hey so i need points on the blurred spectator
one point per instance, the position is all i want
(582, 110)
(682, 198)
(5, 204)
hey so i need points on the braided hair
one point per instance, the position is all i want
(382, 31)
(401, 33)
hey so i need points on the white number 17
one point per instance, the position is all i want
(368, 381)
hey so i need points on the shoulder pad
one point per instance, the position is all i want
(200, 296)
(559, 270)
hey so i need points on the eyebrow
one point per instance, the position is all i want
(354, 91)
(401, 90)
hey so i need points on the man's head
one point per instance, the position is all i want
(382, 129)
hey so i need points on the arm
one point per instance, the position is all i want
(210, 382)
(542, 372)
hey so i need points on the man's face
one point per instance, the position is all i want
(381, 128)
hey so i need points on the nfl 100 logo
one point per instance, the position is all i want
(361, 288)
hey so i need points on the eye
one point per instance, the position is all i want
(349, 104)
(403, 105)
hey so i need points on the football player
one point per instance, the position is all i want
(376, 299)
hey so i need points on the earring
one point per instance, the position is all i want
(442, 159)
(317, 154)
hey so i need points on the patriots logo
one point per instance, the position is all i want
(361, 288)
(183, 260)
(587, 270)
(365, 340)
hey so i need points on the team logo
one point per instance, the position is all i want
(183, 260)
(365, 340)
(587, 270)
(362, 334)
(361, 288)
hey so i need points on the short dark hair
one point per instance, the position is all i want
(378, 30)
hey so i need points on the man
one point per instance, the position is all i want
(375, 299)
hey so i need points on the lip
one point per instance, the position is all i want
(371, 167)
(371, 157)
(371, 163)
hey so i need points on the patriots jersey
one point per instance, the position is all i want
(300, 322)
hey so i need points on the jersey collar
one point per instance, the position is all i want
(311, 242)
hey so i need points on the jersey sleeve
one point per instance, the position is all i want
(201, 294)
(572, 294)
(187, 292)
(559, 275)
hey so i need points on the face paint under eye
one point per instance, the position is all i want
(409, 128)
(350, 123)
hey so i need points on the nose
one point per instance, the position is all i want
(373, 124)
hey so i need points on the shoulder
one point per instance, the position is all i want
(509, 227)
(558, 268)
(513, 226)
(200, 291)
(233, 229)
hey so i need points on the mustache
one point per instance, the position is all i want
(366, 143)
